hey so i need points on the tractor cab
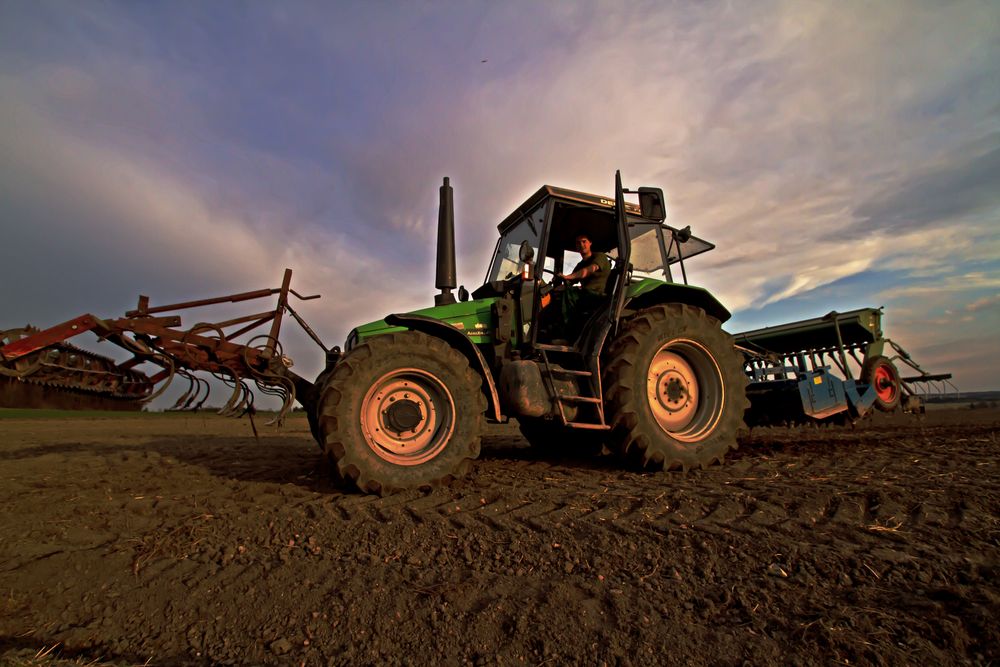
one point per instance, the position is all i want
(537, 242)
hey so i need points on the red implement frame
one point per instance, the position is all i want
(205, 346)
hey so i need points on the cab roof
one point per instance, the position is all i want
(563, 194)
(603, 239)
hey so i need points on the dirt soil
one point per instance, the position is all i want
(180, 540)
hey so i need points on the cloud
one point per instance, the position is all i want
(964, 186)
(121, 225)
(984, 303)
(201, 148)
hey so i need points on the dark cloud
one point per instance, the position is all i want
(935, 196)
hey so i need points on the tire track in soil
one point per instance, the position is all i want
(527, 537)
(551, 480)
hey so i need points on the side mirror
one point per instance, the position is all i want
(526, 253)
(463, 294)
(651, 204)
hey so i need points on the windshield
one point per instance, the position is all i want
(506, 262)
(647, 252)
(654, 249)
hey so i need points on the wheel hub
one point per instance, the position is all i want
(684, 390)
(885, 384)
(674, 390)
(403, 415)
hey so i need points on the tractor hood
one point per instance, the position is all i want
(472, 317)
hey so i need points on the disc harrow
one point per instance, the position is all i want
(156, 340)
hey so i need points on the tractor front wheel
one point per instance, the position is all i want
(676, 390)
(311, 405)
(401, 411)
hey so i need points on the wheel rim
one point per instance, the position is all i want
(885, 384)
(684, 390)
(408, 416)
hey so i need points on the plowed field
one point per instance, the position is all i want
(176, 540)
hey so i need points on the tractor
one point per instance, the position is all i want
(648, 373)
(645, 370)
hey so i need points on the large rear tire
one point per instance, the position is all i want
(401, 411)
(882, 373)
(676, 389)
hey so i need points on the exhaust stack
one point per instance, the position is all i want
(446, 280)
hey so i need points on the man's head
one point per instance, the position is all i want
(583, 245)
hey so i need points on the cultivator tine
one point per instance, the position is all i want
(185, 399)
(279, 419)
(245, 399)
(168, 365)
(202, 384)
(234, 398)
(248, 408)
(280, 387)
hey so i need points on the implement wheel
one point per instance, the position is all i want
(675, 388)
(882, 374)
(401, 411)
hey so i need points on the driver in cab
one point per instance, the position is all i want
(592, 274)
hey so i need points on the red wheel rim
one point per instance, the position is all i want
(885, 384)
(416, 434)
(684, 390)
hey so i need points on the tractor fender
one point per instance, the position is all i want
(687, 294)
(458, 341)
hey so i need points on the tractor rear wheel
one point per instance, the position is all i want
(882, 373)
(676, 389)
(401, 411)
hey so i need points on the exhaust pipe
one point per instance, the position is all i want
(446, 280)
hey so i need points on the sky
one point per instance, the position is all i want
(839, 154)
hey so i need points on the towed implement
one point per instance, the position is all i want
(44, 370)
(641, 366)
(832, 368)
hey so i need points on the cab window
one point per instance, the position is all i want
(506, 263)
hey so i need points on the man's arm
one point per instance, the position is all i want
(580, 274)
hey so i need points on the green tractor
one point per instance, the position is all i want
(647, 373)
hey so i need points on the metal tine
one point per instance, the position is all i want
(246, 400)
(227, 409)
(194, 394)
(166, 362)
(202, 382)
(240, 408)
(233, 407)
(185, 398)
(279, 418)
(248, 404)
(289, 399)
